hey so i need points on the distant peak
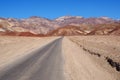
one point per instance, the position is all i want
(67, 17)
(106, 18)
(35, 17)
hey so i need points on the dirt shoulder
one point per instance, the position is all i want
(80, 65)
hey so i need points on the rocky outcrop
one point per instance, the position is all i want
(66, 31)
(113, 64)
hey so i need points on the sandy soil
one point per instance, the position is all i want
(84, 56)
(106, 46)
(13, 48)
(81, 65)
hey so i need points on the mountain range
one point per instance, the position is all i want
(62, 26)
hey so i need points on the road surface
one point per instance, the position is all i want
(43, 64)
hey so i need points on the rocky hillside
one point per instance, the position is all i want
(76, 20)
(66, 31)
(66, 25)
(36, 25)
(98, 29)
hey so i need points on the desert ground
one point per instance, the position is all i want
(86, 57)
(60, 58)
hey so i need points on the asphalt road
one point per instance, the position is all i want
(44, 64)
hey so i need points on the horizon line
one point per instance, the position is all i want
(61, 16)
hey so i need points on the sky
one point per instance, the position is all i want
(56, 8)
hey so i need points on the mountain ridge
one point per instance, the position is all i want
(67, 25)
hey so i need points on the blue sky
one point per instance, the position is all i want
(56, 8)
